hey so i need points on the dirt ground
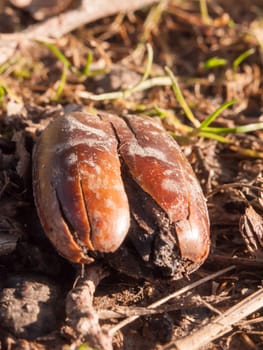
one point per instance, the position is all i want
(216, 57)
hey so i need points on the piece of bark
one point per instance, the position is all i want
(64, 23)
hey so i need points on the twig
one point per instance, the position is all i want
(66, 22)
(87, 12)
(208, 305)
(82, 323)
(219, 325)
(224, 259)
(170, 296)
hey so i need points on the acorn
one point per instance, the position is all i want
(120, 188)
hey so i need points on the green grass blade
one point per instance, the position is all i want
(210, 135)
(159, 111)
(242, 57)
(215, 62)
(66, 65)
(237, 129)
(215, 114)
(2, 92)
(180, 98)
(204, 12)
(62, 83)
(86, 69)
(60, 56)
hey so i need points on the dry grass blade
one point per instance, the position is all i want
(221, 324)
(170, 296)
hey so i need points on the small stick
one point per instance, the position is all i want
(219, 325)
(87, 12)
(170, 296)
(247, 262)
(82, 323)
(56, 27)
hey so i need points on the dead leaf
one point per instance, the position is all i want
(251, 229)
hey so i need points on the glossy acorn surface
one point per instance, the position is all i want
(121, 188)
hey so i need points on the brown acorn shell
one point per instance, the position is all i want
(79, 186)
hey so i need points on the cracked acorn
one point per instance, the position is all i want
(120, 188)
